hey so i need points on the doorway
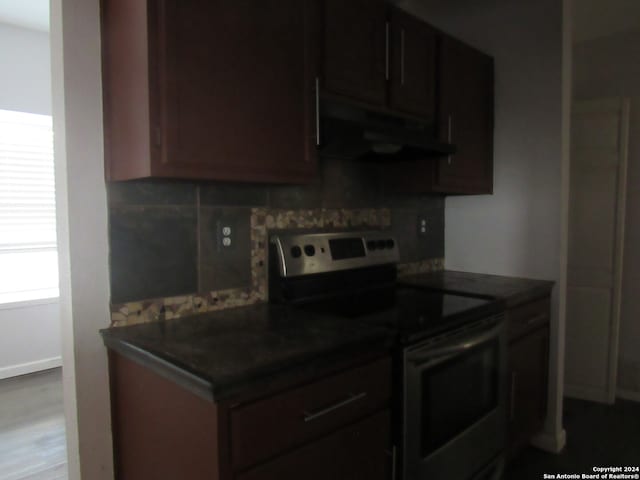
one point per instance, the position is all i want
(600, 130)
(32, 421)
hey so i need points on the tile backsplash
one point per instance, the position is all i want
(165, 256)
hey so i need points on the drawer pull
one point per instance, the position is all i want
(386, 54)
(512, 399)
(309, 416)
(393, 453)
(317, 112)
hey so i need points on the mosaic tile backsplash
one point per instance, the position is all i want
(166, 260)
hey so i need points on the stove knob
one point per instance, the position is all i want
(371, 245)
(309, 250)
(390, 243)
(381, 244)
(296, 251)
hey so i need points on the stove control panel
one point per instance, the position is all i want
(306, 254)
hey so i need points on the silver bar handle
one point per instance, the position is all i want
(449, 135)
(386, 52)
(512, 403)
(394, 456)
(310, 416)
(317, 111)
(459, 346)
(402, 57)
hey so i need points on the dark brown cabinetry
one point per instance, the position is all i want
(528, 355)
(465, 118)
(355, 452)
(383, 58)
(465, 104)
(219, 90)
(337, 427)
(228, 90)
(355, 50)
(413, 64)
(262, 429)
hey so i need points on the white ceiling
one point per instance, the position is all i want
(599, 18)
(33, 14)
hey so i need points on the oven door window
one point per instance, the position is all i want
(456, 393)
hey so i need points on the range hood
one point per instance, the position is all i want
(351, 132)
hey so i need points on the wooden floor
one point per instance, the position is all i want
(32, 432)
(597, 435)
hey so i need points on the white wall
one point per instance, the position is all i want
(82, 234)
(29, 335)
(25, 82)
(29, 339)
(609, 67)
(518, 230)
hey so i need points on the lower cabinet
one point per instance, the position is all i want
(334, 427)
(360, 451)
(528, 355)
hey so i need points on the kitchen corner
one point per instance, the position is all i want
(278, 176)
(324, 331)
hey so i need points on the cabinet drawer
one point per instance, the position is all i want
(360, 451)
(528, 317)
(270, 426)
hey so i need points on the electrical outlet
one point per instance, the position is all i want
(224, 234)
(422, 226)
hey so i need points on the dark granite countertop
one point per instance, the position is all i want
(512, 290)
(224, 354)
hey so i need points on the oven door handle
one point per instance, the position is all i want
(457, 347)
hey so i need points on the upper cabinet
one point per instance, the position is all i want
(216, 89)
(231, 90)
(356, 50)
(465, 118)
(380, 57)
(412, 65)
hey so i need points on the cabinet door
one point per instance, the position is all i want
(465, 118)
(236, 90)
(528, 373)
(413, 66)
(356, 50)
(358, 452)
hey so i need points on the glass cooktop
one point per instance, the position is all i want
(415, 313)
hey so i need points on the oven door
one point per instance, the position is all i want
(454, 414)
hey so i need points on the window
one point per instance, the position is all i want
(28, 254)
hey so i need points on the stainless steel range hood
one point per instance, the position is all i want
(351, 132)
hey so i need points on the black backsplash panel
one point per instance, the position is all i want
(163, 233)
(153, 251)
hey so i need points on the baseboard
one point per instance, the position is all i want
(587, 393)
(552, 442)
(628, 395)
(30, 367)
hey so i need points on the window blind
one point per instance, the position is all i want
(28, 254)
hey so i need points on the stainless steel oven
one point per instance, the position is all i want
(449, 414)
(454, 404)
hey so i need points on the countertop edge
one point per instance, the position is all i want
(282, 378)
(162, 367)
(532, 294)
